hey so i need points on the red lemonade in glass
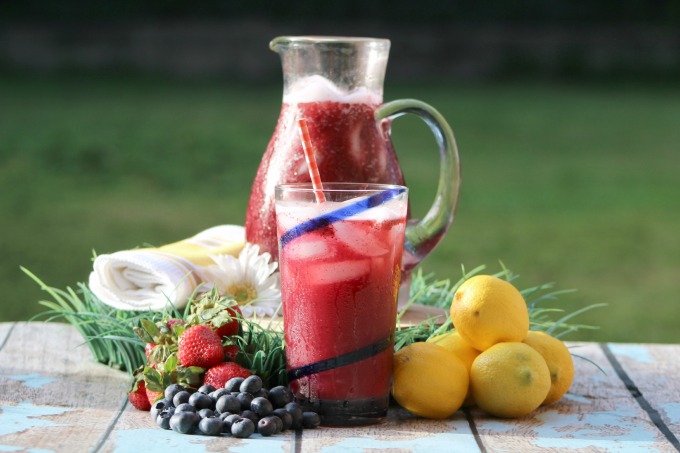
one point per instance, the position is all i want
(340, 264)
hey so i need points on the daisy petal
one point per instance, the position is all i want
(251, 279)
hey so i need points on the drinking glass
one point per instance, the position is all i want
(340, 264)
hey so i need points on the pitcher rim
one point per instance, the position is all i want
(295, 41)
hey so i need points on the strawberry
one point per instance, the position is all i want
(159, 339)
(173, 322)
(230, 327)
(199, 346)
(152, 396)
(138, 397)
(221, 313)
(148, 348)
(218, 375)
(230, 352)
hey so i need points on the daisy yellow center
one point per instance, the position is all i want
(243, 292)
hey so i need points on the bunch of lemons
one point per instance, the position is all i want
(491, 359)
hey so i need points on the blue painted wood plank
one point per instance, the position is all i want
(401, 432)
(598, 414)
(650, 374)
(136, 431)
(53, 396)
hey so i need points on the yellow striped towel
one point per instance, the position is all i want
(152, 278)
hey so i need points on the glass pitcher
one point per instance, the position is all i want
(336, 84)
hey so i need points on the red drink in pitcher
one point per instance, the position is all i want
(340, 272)
(350, 148)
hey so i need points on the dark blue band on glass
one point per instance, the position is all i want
(342, 360)
(339, 214)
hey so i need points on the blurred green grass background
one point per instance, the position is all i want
(566, 183)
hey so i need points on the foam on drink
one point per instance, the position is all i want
(317, 88)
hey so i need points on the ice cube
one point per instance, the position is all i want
(359, 239)
(303, 249)
(285, 223)
(339, 271)
(290, 214)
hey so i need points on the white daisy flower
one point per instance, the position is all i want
(250, 279)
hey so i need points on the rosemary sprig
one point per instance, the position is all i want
(426, 290)
(262, 352)
(106, 331)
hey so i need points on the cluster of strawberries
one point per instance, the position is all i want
(198, 351)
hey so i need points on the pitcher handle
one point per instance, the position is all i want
(423, 235)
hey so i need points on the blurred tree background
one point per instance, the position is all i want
(125, 123)
(605, 39)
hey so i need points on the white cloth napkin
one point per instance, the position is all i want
(152, 278)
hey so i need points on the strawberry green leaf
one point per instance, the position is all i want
(143, 335)
(150, 328)
(170, 364)
(153, 380)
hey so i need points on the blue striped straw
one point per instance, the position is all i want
(340, 214)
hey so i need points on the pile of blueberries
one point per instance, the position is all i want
(241, 408)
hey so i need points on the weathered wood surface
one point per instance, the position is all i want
(53, 397)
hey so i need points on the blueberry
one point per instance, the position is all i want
(211, 426)
(310, 420)
(242, 428)
(158, 406)
(245, 399)
(251, 415)
(228, 421)
(266, 426)
(185, 407)
(278, 422)
(295, 412)
(163, 418)
(280, 396)
(228, 403)
(207, 388)
(217, 394)
(224, 415)
(251, 384)
(181, 397)
(261, 406)
(263, 392)
(172, 390)
(285, 417)
(183, 422)
(201, 401)
(163, 422)
(233, 384)
(205, 413)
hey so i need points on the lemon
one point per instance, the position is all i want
(429, 381)
(509, 379)
(557, 356)
(487, 310)
(466, 353)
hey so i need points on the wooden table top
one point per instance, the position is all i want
(55, 398)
